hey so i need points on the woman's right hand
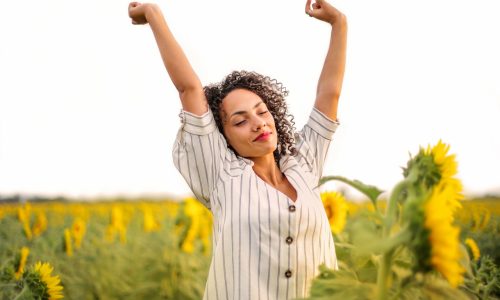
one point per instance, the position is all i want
(324, 11)
(137, 12)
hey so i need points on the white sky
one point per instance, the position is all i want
(87, 108)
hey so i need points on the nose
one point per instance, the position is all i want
(259, 123)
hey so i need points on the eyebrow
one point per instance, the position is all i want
(242, 112)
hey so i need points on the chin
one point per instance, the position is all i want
(261, 152)
(270, 150)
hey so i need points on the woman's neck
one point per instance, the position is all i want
(267, 169)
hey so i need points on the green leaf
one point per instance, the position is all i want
(438, 288)
(372, 192)
(339, 284)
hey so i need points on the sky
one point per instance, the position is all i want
(87, 108)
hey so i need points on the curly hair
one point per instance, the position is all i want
(271, 92)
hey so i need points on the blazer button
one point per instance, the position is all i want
(291, 208)
(182, 116)
(288, 274)
(289, 240)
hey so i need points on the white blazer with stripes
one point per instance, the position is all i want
(265, 246)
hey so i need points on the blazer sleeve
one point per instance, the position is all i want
(313, 141)
(199, 153)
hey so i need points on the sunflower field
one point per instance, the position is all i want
(425, 241)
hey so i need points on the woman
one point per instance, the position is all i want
(237, 151)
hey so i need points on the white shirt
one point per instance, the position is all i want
(264, 245)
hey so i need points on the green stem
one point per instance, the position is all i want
(409, 282)
(372, 192)
(385, 264)
(345, 245)
(383, 275)
(390, 217)
(391, 210)
(489, 286)
(22, 292)
(402, 237)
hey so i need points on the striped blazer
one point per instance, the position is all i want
(265, 246)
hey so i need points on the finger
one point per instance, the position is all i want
(308, 7)
(316, 6)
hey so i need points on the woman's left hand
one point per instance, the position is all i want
(324, 11)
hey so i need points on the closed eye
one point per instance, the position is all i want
(243, 121)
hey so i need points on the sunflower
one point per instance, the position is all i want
(25, 251)
(448, 167)
(44, 285)
(188, 243)
(117, 226)
(172, 209)
(473, 248)
(194, 211)
(150, 221)
(78, 231)
(436, 195)
(443, 236)
(336, 210)
(68, 247)
(24, 214)
(40, 224)
(480, 218)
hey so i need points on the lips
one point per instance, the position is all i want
(262, 136)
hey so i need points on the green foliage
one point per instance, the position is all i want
(413, 215)
(487, 238)
(148, 266)
(372, 192)
(358, 271)
(423, 165)
(37, 288)
(483, 279)
(342, 284)
(428, 287)
(151, 266)
(394, 247)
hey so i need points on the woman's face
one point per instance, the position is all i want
(248, 125)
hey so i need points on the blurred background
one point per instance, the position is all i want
(87, 109)
(88, 113)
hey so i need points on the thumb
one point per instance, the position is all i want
(308, 7)
(313, 12)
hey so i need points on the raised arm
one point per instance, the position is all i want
(178, 67)
(332, 74)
